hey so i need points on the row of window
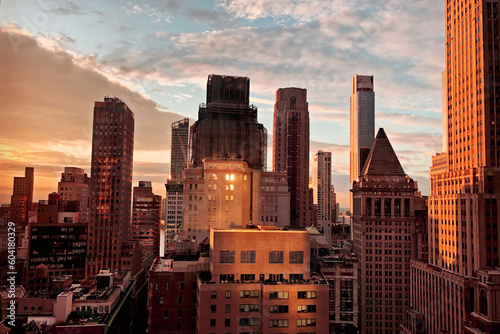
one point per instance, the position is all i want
(272, 308)
(272, 295)
(272, 322)
(274, 257)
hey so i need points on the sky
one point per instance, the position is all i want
(58, 57)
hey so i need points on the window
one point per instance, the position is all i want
(249, 322)
(306, 322)
(278, 323)
(166, 286)
(306, 308)
(228, 293)
(227, 322)
(278, 309)
(213, 308)
(161, 300)
(249, 294)
(182, 286)
(306, 294)
(165, 314)
(179, 313)
(247, 277)
(296, 257)
(249, 307)
(213, 294)
(247, 257)
(213, 323)
(227, 308)
(180, 299)
(276, 257)
(226, 257)
(278, 295)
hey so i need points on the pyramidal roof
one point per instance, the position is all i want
(382, 159)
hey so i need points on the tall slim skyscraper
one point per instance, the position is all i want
(385, 200)
(362, 122)
(146, 216)
(179, 148)
(457, 290)
(22, 197)
(111, 184)
(321, 183)
(291, 149)
(227, 126)
(74, 186)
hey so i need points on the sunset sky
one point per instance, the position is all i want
(58, 57)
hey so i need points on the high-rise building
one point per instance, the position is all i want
(111, 184)
(291, 149)
(456, 291)
(321, 184)
(334, 205)
(74, 186)
(173, 208)
(179, 145)
(22, 197)
(385, 200)
(146, 218)
(362, 122)
(227, 126)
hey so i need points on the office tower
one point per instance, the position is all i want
(456, 291)
(22, 197)
(179, 148)
(146, 218)
(111, 184)
(227, 126)
(362, 122)
(444, 110)
(174, 206)
(384, 204)
(74, 186)
(270, 199)
(321, 184)
(291, 149)
(334, 209)
(261, 282)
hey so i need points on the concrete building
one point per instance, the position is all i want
(146, 218)
(22, 197)
(256, 287)
(74, 186)
(291, 150)
(227, 126)
(179, 145)
(341, 272)
(322, 187)
(456, 290)
(228, 194)
(384, 203)
(362, 122)
(111, 184)
(173, 208)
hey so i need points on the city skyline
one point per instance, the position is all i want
(162, 67)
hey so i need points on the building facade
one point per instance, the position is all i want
(179, 144)
(173, 208)
(362, 122)
(146, 218)
(321, 184)
(227, 126)
(22, 197)
(384, 204)
(291, 150)
(463, 230)
(111, 184)
(74, 186)
(257, 288)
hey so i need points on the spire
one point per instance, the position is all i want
(382, 159)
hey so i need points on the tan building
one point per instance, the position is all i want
(384, 202)
(146, 214)
(321, 185)
(74, 186)
(291, 150)
(462, 271)
(260, 282)
(228, 194)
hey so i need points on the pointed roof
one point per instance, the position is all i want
(382, 159)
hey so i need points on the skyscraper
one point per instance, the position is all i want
(227, 126)
(362, 122)
(321, 183)
(74, 186)
(457, 290)
(22, 197)
(385, 200)
(146, 216)
(111, 184)
(291, 149)
(179, 148)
